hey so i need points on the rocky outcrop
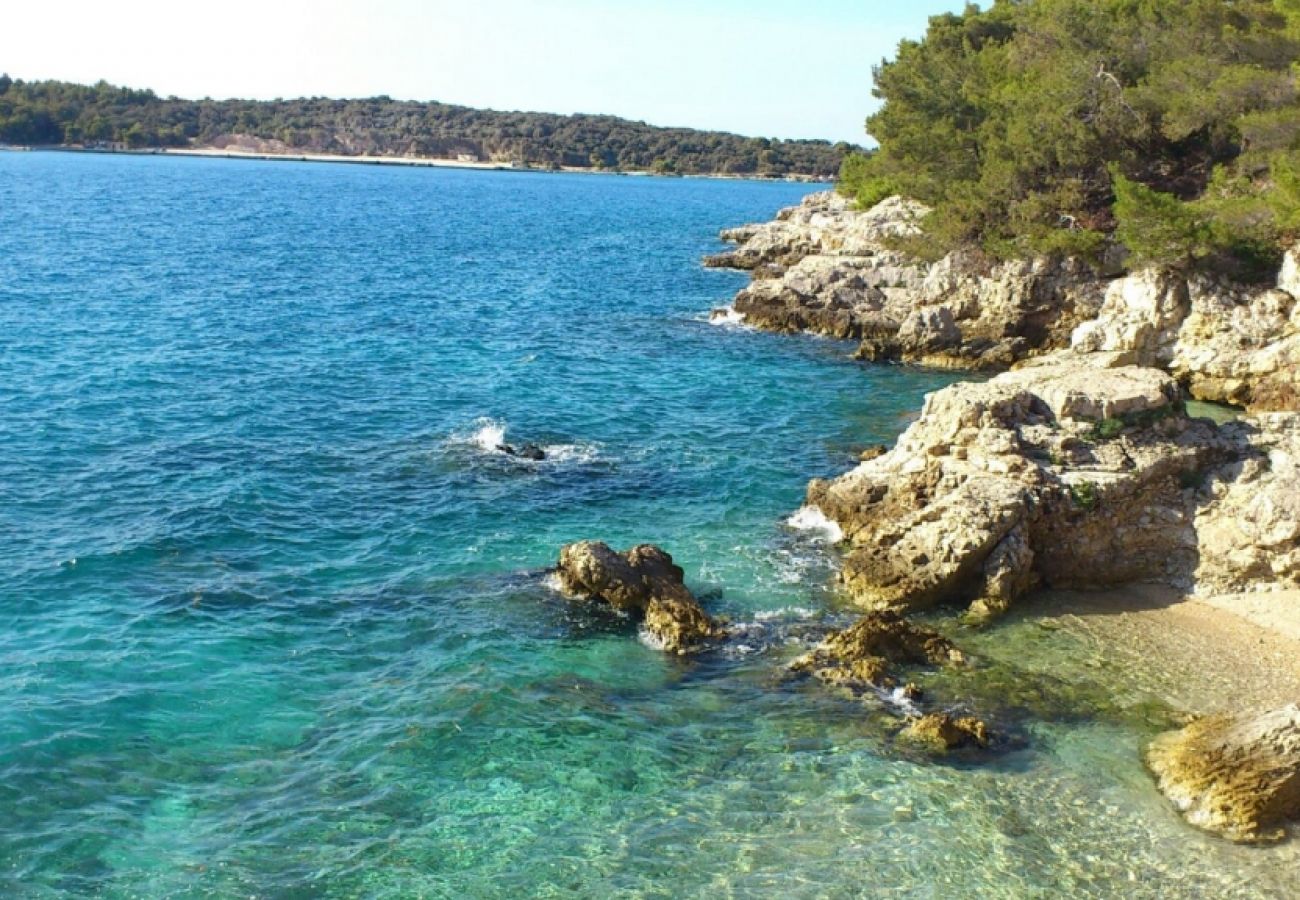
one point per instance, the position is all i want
(863, 654)
(827, 268)
(1067, 474)
(644, 583)
(824, 224)
(1248, 521)
(943, 733)
(1226, 343)
(873, 654)
(1235, 775)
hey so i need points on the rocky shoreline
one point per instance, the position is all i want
(1079, 466)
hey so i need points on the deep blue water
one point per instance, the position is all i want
(273, 622)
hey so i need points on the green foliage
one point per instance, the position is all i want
(1085, 495)
(1158, 227)
(51, 112)
(1108, 429)
(1054, 125)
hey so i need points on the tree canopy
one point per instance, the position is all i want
(1054, 125)
(59, 113)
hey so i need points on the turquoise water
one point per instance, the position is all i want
(273, 616)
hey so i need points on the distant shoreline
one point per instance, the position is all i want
(407, 161)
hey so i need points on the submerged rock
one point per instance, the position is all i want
(863, 653)
(642, 582)
(944, 733)
(1235, 775)
(526, 451)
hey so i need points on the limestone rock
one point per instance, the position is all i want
(1001, 485)
(1248, 530)
(1241, 346)
(645, 583)
(1140, 318)
(1235, 775)
(679, 625)
(944, 733)
(862, 654)
(829, 268)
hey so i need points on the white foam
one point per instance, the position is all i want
(898, 698)
(552, 582)
(581, 453)
(812, 519)
(484, 436)
(651, 640)
(785, 613)
(488, 436)
(727, 316)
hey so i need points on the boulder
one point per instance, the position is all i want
(1064, 474)
(525, 451)
(644, 583)
(944, 733)
(862, 655)
(1235, 775)
(1139, 318)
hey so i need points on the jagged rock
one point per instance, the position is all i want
(1139, 318)
(836, 297)
(526, 451)
(1236, 775)
(944, 733)
(861, 654)
(679, 625)
(1066, 474)
(1248, 530)
(828, 268)
(930, 329)
(1240, 346)
(643, 582)
(1007, 574)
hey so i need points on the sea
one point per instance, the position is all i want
(277, 614)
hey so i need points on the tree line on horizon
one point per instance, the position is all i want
(61, 113)
(1171, 127)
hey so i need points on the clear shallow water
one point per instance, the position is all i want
(273, 620)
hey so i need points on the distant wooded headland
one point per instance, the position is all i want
(104, 116)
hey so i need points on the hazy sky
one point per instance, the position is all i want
(775, 68)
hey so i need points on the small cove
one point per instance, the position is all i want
(274, 621)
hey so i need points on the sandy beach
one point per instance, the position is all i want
(1199, 654)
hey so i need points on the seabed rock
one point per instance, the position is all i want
(1235, 775)
(862, 654)
(944, 733)
(645, 583)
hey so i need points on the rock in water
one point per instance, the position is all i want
(861, 654)
(1236, 775)
(527, 451)
(942, 732)
(643, 582)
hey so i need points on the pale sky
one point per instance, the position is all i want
(772, 68)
